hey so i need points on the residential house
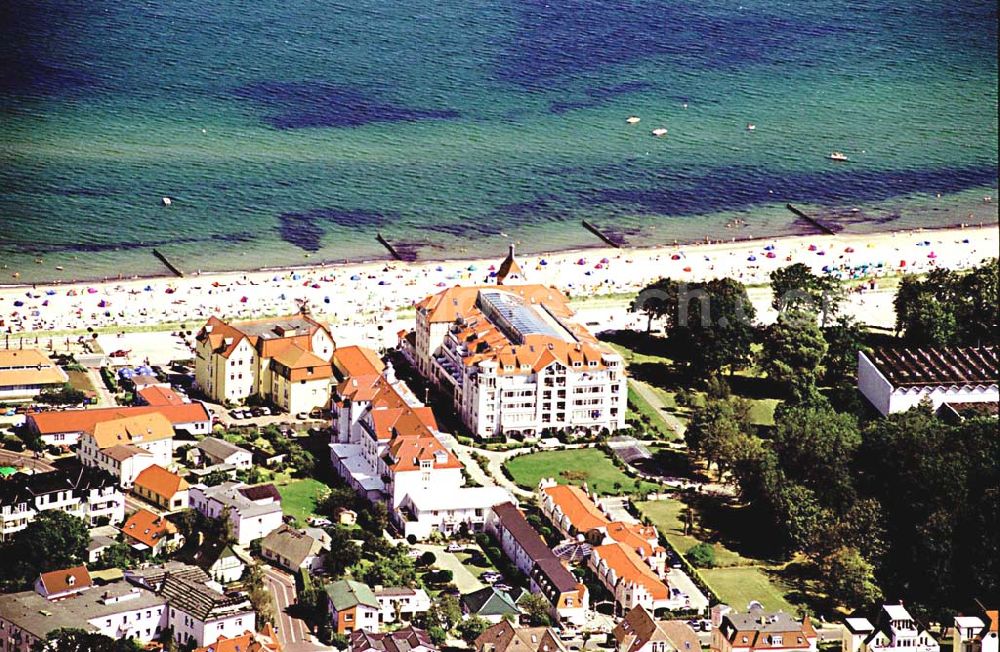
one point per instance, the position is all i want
(895, 630)
(63, 583)
(895, 380)
(26, 373)
(757, 630)
(266, 640)
(65, 427)
(506, 637)
(124, 447)
(118, 610)
(522, 544)
(386, 445)
(222, 562)
(162, 488)
(292, 549)
(254, 511)
(285, 361)
(640, 632)
(515, 362)
(407, 639)
(88, 493)
(353, 606)
(400, 603)
(146, 530)
(625, 556)
(971, 634)
(101, 538)
(212, 451)
(158, 394)
(490, 603)
(201, 612)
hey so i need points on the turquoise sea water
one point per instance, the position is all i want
(285, 129)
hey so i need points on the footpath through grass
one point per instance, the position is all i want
(573, 466)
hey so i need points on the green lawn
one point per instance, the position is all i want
(588, 465)
(666, 515)
(298, 497)
(737, 586)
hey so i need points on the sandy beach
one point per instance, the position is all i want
(362, 301)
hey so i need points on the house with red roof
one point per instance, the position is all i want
(284, 360)
(63, 583)
(65, 427)
(146, 530)
(164, 489)
(386, 445)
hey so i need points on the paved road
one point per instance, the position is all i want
(654, 401)
(26, 459)
(494, 472)
(104, 397)
(462, 576)
(292, 632)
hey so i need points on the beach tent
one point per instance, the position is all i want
(769, 247)
(813, 247)
(50, 292)
(675, 257)
(751, 258)
(605, 261)
(543, 262)
(355, 277)
(582, 261)
(771, 254)
(471, 268)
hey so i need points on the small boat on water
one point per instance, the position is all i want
(660, 131)
(838, 156)
(751, 126)
(632, 119)
(60, 268)
(166, 201)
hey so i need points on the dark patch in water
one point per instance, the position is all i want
(298, 105)
(305, 229)
(83, 192)
(559, 39)
(28, 56)
(737, 188)
(598, 96)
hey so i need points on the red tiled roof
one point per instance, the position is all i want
(629, 567)
(160, 396)
(59, 581)
(577, 506)
(160, 481)
(146, 527)
(84, 420)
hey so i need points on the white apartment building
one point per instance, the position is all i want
(514, 361)
(254, 511)
(141, 607)
(125, 447)
(895, 380)
(385, 444)
(87, 493)
(285, 361)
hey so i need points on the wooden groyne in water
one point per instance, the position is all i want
(166, 261)
(812, 220)
(385, 243)
(616, 243)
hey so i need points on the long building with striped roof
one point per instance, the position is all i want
(514, 360)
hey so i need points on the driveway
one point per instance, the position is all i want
(292, 632)
(494, 469)
(104, 397)
(463, 577)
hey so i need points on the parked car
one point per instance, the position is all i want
(319, 521)
(302, 416)
(256, 411)
(236, 414)
(266, 411)
(455, 547)
(500, 586)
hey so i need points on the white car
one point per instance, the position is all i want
(455, 547)
(266, 411)
(318, 521)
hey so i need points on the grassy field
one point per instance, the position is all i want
(737, 586)
(667, 515)
(298, 497)
(81, 381)
(737, 579)
(574, 466)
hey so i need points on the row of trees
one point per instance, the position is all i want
(906, 507)
(949, 308)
